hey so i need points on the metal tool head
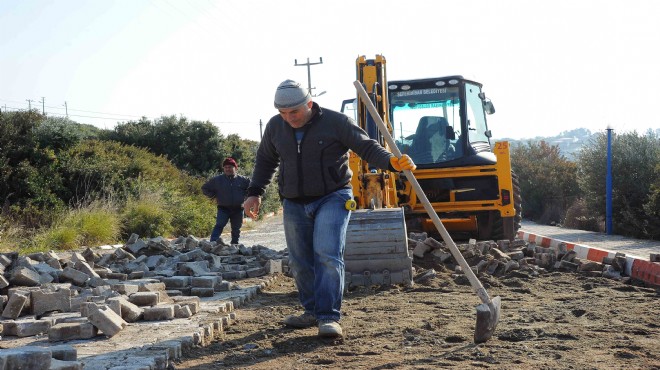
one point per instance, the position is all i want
(488, 315)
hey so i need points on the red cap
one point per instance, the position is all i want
(230, 161)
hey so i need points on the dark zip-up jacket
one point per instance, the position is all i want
(229, 191)
(319, 165)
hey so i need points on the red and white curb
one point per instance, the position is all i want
(636, 268)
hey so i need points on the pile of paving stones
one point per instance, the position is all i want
(101, 291)
(502, 257)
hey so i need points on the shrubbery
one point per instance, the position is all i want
(55, 173)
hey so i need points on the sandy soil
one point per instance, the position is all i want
(555, 320)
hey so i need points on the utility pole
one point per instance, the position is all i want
(608, 184)
(66, 110)
(29, 103)
(261, 130)
(43, 105)
(309, 74)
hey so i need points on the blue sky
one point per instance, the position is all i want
(548, 66)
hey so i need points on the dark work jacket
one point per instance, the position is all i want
(229, 191)
(319, 165)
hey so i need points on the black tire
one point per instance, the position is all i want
(492, 226)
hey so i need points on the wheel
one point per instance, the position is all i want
(493, 226)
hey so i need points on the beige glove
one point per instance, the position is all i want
(403, 163)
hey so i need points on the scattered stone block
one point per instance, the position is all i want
(611, 273)
(590, 266)
(418, 236)
(26, 327)
(28, 357)
(15, 305)
(223, 286)
(511, 265)
(25, 277)
(78, 278)
(420, 250)
(3, 282)
(256, 272)
(56, 364)
(176, 282)
(204, 282)
(144, 298)
(64, 352)
(273, 266)
(106, 320)
(190, 301)
(202, 292)
(125, 288)
(128, 311)
(160, 312)
(44, 301)
(72, 331)
(182, 311)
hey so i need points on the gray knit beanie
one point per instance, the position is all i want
(290, 94)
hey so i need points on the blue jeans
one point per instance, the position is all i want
(316, 236)
(227, 214)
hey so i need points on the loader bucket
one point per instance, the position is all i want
(488, 315)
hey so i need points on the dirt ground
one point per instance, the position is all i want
(556, 320)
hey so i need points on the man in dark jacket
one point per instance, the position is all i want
(310, 145)
(229, 190)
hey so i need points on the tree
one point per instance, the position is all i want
(547, 180)
(634, 161)
(195, 147)
(28, 179)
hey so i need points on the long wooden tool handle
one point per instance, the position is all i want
(476, 284)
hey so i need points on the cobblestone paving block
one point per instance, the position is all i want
(144, 298)
(15, 305)
(79, 278)
(176, 282)
(204, 282)
(43, 301)
(28, 357)
(125, 288)
(64, 352)
(72, 331)
(159, 312)
(106, 320)
(202, 292)
(25, 277)
(127, 310)
(182, 311)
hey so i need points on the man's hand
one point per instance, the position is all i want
(251, 206)
(403, 163)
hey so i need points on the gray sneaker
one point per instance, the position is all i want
(306, 320)
(330, 329)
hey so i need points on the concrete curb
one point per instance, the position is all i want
(637, 268)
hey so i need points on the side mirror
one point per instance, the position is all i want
(488, 106)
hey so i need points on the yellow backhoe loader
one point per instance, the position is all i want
(441, 124)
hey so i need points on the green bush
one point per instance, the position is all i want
(97, 226)
(147, 217)
(192, 215)
(62, 237)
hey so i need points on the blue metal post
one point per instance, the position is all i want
(608, 185)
